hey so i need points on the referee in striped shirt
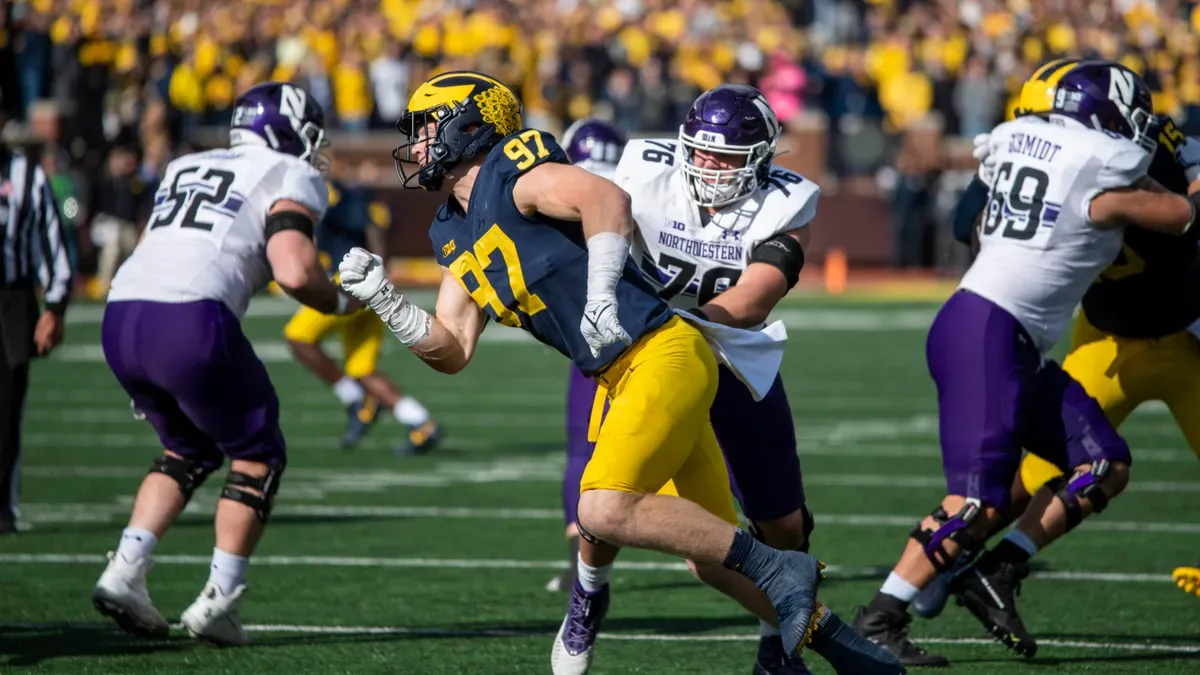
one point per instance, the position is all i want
(33, 255)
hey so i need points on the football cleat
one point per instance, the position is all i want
(572, 652)
(214, 617)
(773, 660)
(359, 418)
(1188, 578)
(566, 579)
(421, 439)
(849, 652)
(890, 631)
(989, 591)
(121, 595)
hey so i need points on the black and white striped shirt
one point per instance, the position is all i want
(34, 251)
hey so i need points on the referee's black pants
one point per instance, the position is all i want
(18, 316)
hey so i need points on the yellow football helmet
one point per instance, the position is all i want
(471, 112)
(1037, 94)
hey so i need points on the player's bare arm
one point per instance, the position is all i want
(568, 192)
(454, 330)
(773, 270)
(294, 261)
(1145, 207)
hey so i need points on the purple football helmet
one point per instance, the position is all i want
(1107, 96)
(282, 117)
(593, 143)
(733, 119)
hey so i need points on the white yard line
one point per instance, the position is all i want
(501, 563)
(624, 637)
(48, 512)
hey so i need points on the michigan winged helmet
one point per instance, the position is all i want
(457, 115)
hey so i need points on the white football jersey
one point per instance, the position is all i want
(1039, 251)
(691, 262)
(205, 239)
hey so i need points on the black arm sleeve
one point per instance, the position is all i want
(783, 253)
(970, 205)
(288, 220)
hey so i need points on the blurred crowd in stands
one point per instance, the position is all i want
(112, 89)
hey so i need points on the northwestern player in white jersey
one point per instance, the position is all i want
(1062, 189)
(721, 233)
(225, 222)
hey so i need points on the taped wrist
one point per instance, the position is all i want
(409, 323)
(606, 259)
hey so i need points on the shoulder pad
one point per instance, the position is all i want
(791, 196)
(519, 152)
(303, 184)
(646, 158)
(1122, 162)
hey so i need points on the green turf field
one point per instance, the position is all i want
(434, 565)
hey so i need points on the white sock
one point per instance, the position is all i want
(136, 543)
(591, 578)
(900, 589)
(410, 413)
(1022, 540)
(348, 390)
(227, 571)
(767, 630)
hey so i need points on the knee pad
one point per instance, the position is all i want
(237, 482)
(189, 474)
(1083, 485)
(953, 528)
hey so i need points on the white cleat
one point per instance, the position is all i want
(214, 617)
(565, 660)
(121, 594)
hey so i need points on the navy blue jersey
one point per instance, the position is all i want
(1152, 289)
(344, 227)
(531, 272)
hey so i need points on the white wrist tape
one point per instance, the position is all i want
(606, 259)
(409, 323)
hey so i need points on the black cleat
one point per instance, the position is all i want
(421, 440)
(890, 631)
(359, 418)
(773, 659)
(989, 591)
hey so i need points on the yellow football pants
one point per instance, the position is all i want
(362, 336)
(1121, 374)
(656, 436)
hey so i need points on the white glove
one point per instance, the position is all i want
(982, 151)
(1187, 154)
(606, 258)
(982, 146)
(363, 276)
(600, 326)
